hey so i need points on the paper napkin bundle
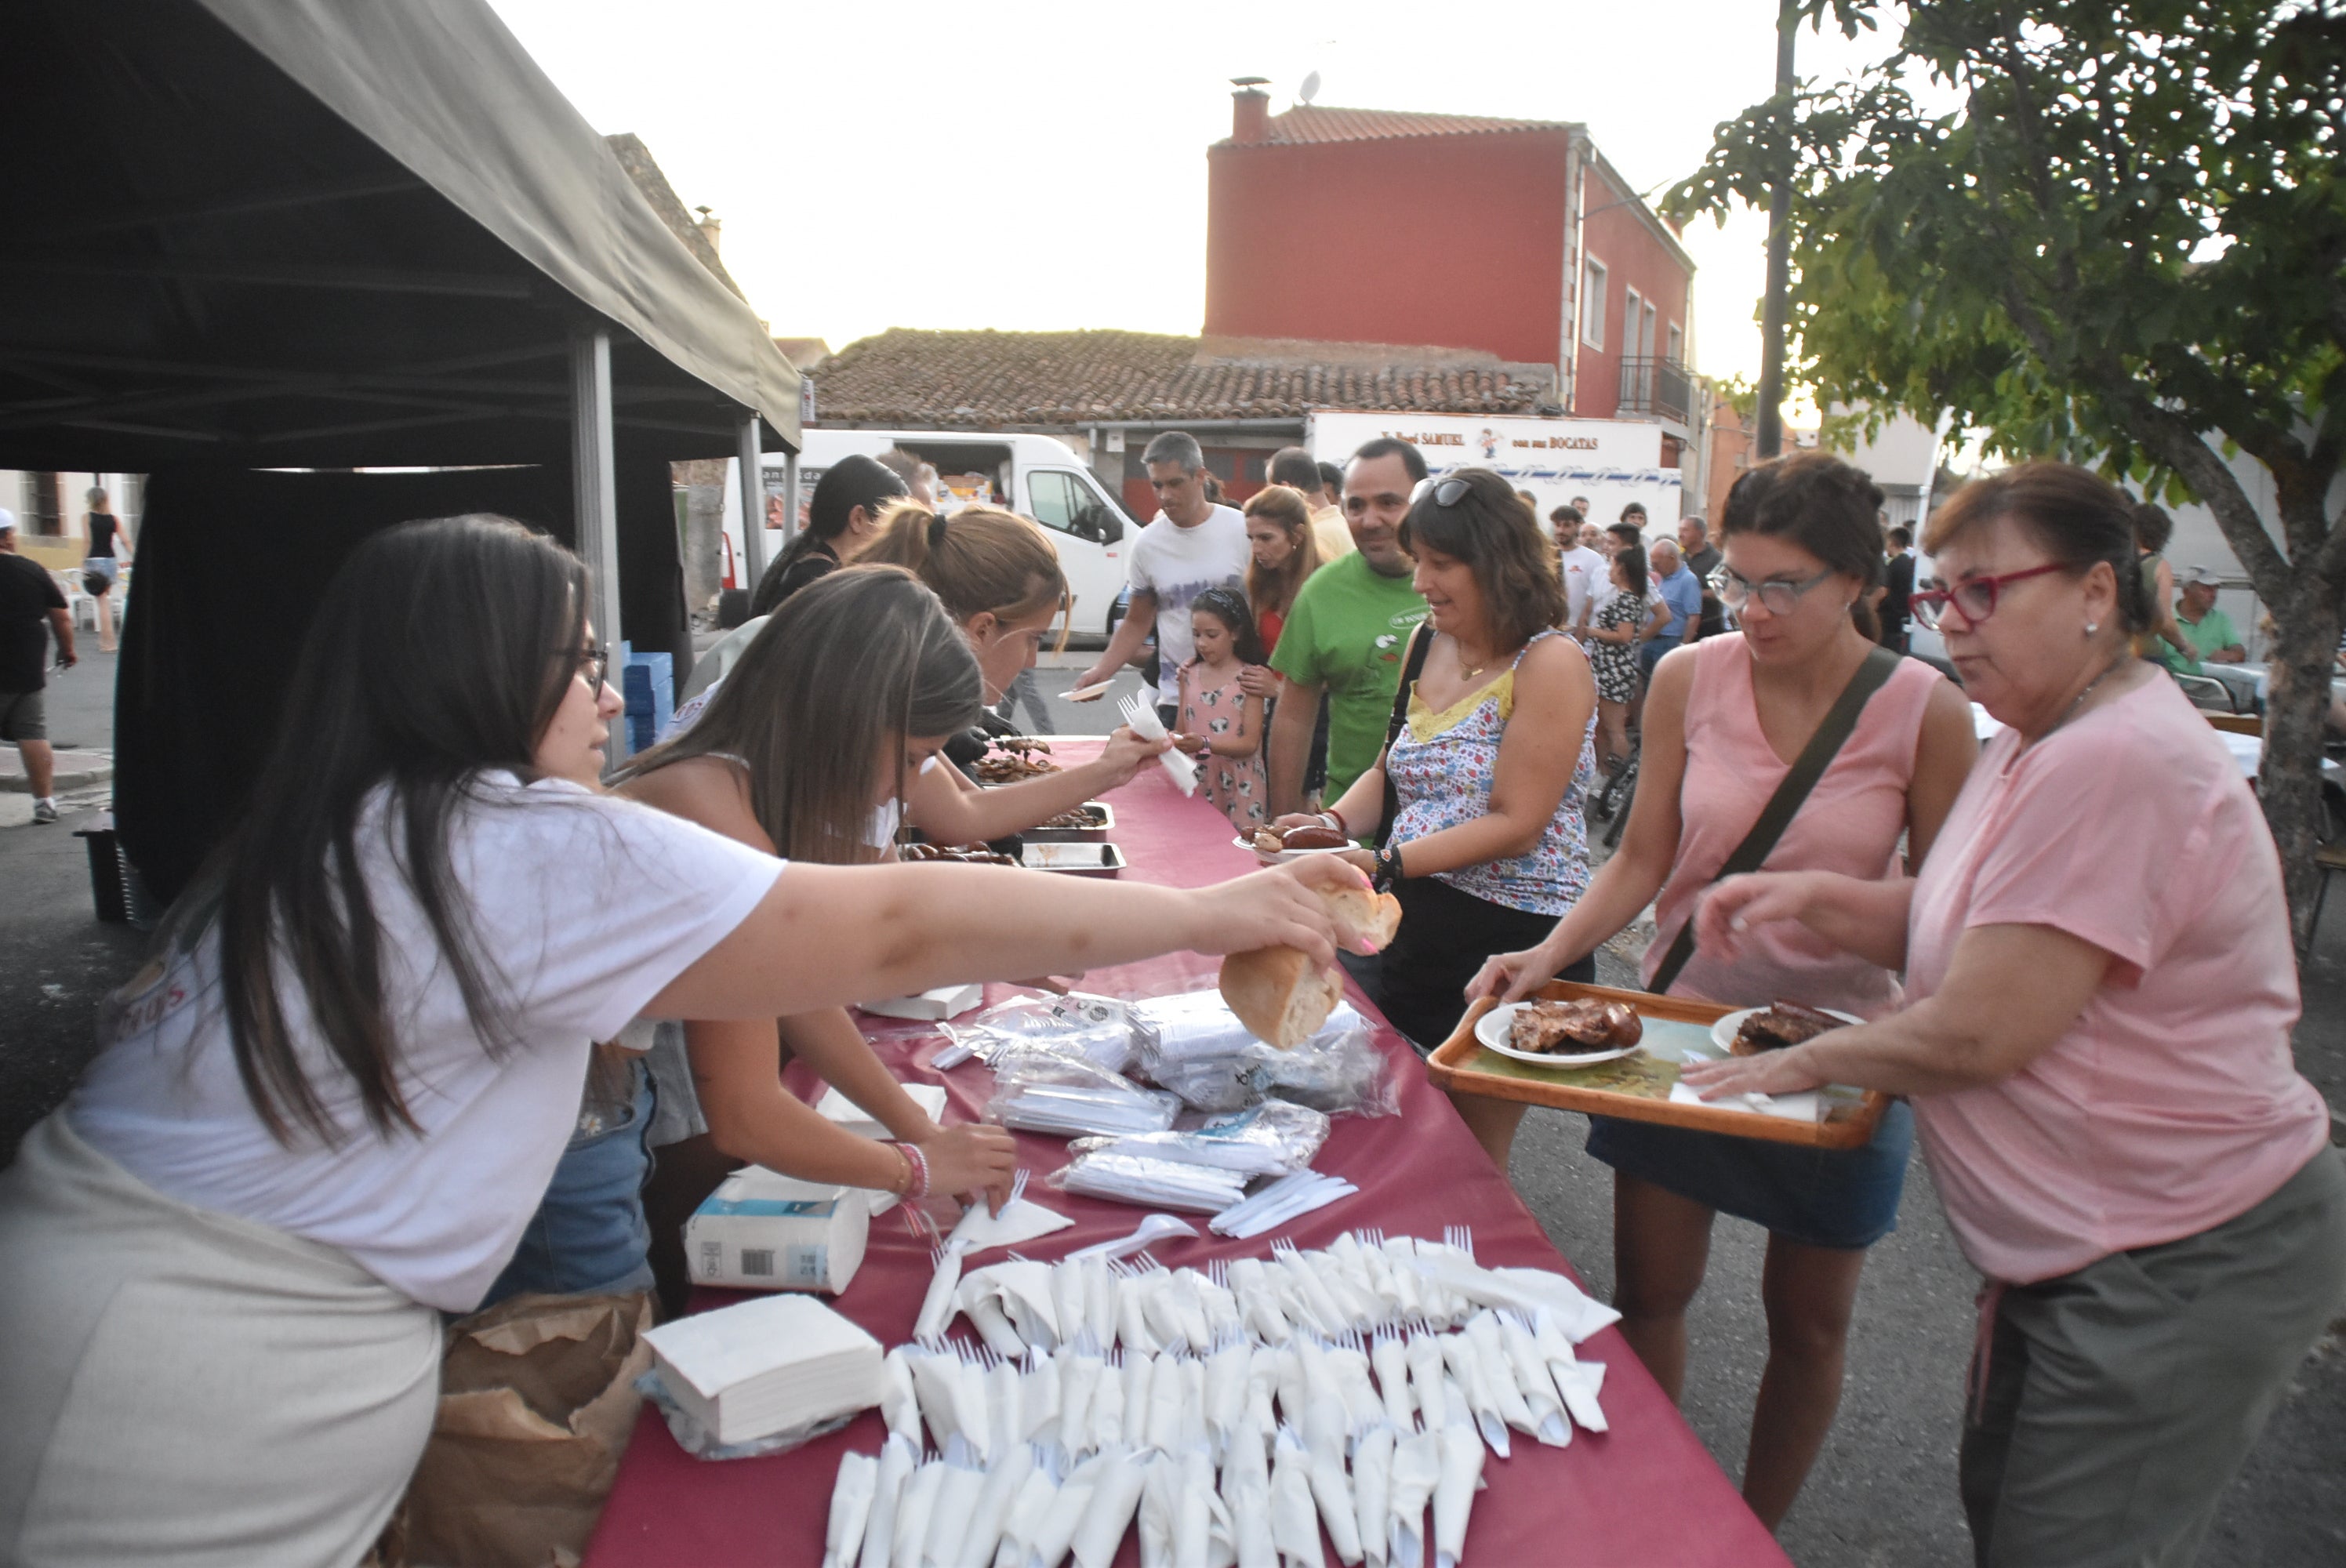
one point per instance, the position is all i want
(765, 1366)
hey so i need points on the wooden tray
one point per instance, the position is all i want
(1634, 1088)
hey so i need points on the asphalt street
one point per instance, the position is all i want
(1882, 1492)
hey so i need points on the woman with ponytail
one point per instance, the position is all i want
(843, 516)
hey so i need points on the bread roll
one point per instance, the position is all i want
(1278, 996)
(1276, 993)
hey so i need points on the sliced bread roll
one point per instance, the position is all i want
(1276, 993)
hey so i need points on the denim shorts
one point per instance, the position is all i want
(589, 1236)
(1846, 1199)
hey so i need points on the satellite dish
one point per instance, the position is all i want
(1310, 90)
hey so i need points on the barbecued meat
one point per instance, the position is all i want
(1569, 1028)
(970, 854)
(1786, 1023)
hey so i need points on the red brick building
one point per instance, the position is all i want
(1511, 237)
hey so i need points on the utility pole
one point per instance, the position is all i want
(1770, 438)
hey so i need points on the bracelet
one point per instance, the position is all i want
(1336, 820)
(1388, 869)
(916, 1173)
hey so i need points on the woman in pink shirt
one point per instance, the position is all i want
(2096, 1048)
(1724, 719)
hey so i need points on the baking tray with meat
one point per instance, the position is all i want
(1074, 859)
(1087, 823)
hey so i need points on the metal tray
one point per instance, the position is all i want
(1103, 819)
(1074, 859)
(1634, 1088)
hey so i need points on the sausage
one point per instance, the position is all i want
(1314, 836)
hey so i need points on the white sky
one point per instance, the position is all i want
(1031, 164)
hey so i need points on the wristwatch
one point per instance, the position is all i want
(1388, 869)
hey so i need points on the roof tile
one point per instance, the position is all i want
(1306, 123)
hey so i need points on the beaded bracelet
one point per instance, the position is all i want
(1336, 820)
(916, 1172)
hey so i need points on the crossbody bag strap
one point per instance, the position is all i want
(1840, 721)
(1420, 645)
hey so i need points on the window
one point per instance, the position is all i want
(1063, 503)
(1592, 304)
(1631, 302)
(1646, 331)
(1677, 344)
(39, 512)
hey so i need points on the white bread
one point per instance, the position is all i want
(1278, 996)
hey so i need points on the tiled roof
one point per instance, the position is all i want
(989, 377)
(1312, 123)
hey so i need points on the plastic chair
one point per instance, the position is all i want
(76, 601)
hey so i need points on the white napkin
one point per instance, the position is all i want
(1100, 1302)
(1359, 1390)
(1311, 1293)
(1185, 1307)
(1108, 1407)
(937, 1305)
(1423, 1353)
(1453, 1497)
(1294, 1521)
(1011, 1306)
(1416, 1472)
(1226, 1381)
(899, 1405)
(897, 1457)
(1263, 1380)
(1132, 1330)
(1579, 1387)
(913, 1513)
(953, 1515)
(1323, 1440)
(1155, 1289)
(1458, 1353)
(1193, 1403)
(1246, 1488)
(1806, 1105)
(992, 1515)
(1193, 1514)
(936, 1381)
(1022, 1220)
(851, 1509)
(1080, 1374)
(1292, 1369)
(1387, 1354)
(1038, 1397)
(1378, 1270)
(1373, 1460)
(1027, 1511)
(1067, 1300)
(1162, 1432)
(1533, 1379)
(1401, 1252)
(983, 1306)
(1499, 1373)
(1156, 1508)
(1058, 1531)
(1259, 1301)
(1355, 1299)
(1138, 1372)
(1005, 1419)
(1220, 1307)
(1524, 1290)
(1148, 726)
(1115, 1493)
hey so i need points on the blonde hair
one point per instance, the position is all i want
(979, 560)
(1275, 589)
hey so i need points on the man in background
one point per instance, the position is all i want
(1190, 546)
(1348, 631)
(1694, 546)
(2207, 629)
(31, 607)
(1331, 486)
(1681, 595)
(1587, 574)
(1293, 467)
(1898, 590)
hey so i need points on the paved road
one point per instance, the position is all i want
(1883, 1492)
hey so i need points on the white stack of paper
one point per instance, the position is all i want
(772, 1365)
(761, 1230)
(933, 1006)
(837, 1107)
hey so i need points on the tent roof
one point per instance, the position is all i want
(331, 232)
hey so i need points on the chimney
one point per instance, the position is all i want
(710, 226)
(1249, 111)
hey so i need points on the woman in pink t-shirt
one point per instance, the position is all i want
(2096, 1048)
(1724, 722)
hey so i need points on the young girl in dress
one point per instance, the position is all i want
(1221, 725)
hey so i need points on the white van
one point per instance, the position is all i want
(1035, 475)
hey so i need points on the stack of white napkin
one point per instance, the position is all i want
(774, 1364)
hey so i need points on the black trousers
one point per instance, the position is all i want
(1419, 982)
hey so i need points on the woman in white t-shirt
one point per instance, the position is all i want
(325, 1110)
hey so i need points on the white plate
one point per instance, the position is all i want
(1722, 1033)
(1086, 693)
(1492, 1029)
(1273, 858)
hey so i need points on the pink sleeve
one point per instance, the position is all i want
(2089, 844)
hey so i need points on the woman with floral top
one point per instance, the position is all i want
(1478, 794)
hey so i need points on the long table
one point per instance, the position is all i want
(1646, 1493)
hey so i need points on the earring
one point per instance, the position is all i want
(2093, 626)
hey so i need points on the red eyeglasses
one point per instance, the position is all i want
(1976, 598)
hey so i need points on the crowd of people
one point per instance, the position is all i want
(360, 1086)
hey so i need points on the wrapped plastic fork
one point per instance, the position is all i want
(1273, 1138)
(1289, 1198)
(1037, 1091)
(1151, 1182)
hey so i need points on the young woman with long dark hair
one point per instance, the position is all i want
(1283, 553)
(842, 519)
(326, 1108)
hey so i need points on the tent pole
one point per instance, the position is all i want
(753, 502)
(790, 496)
(595, 484)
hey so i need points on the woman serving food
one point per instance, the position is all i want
(2097, 1047)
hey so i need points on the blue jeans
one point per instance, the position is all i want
(588, 1236)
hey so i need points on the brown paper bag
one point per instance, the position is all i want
(537, 1399)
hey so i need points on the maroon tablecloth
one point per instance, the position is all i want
(1646, 1493)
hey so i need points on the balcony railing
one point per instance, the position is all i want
(1663, 388)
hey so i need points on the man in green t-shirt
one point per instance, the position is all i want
(2206, 628)
(1348, 631)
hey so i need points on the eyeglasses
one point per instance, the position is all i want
(593, 665)
(1445, 492)
(1975, 599)
(1780, 595)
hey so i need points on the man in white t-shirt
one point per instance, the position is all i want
(1587, 580)
(1190, 546)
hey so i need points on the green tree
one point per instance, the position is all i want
(2113, 233)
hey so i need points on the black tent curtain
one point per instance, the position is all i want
(231, 562)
